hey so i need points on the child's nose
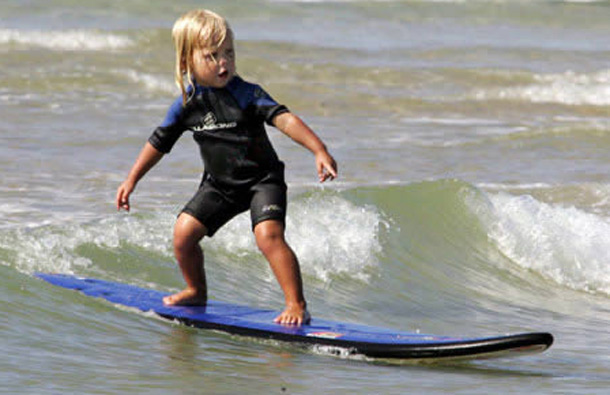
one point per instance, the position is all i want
(223, 60)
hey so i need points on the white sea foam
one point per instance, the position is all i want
(566, 244)
(329, 234)
(332, 235)
(339, 352)
(65, 40)
(150, 82)
(53, 247)
(568, 88)
(507, 187)
(39, 250)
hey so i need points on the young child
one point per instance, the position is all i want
(242, 171)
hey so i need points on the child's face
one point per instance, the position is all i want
(214, 69)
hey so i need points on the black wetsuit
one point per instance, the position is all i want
(242, 170)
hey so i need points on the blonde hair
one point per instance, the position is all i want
(197, 29)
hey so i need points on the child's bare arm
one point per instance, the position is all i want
(149, 156)
(296, 129)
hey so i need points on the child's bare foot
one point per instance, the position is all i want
(186, 297)
(293, 315)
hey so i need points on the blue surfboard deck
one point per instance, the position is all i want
(356, 339)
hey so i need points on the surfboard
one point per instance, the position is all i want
(370, 341)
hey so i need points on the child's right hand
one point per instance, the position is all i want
(122, 195)
(149, 156)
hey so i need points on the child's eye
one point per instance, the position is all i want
(210, 57)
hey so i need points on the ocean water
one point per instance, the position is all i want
(473, 199)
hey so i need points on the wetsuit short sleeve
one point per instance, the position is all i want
(269, 114)
(264, 107)
(165, 136)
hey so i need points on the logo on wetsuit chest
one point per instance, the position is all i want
(209, 122)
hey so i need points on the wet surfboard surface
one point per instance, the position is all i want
(374, 342)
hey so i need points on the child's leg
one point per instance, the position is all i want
(187, 234)
(270, 240)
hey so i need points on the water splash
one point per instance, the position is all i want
(566, 244)
(330, 235)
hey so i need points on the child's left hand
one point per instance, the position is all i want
(297, 130)
(326, 166)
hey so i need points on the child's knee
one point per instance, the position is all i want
(184, 243)
(269, 237)
(187, 233)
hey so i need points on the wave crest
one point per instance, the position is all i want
(567, 88)
(66, 40)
